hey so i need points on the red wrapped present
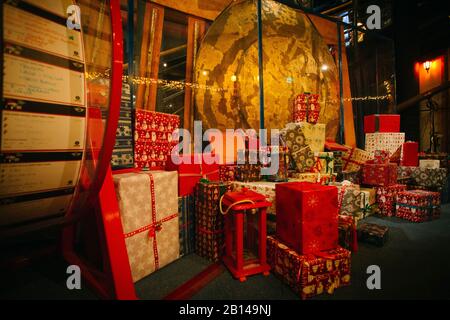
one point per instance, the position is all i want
(418, 205)
(386, 198)
(379, 174)
(307, 215)
(154, 138)
(410, 154)
(309, 275)
(227, 172)
(348, 236)
(382, 123)
(191, 169)
(306, 108)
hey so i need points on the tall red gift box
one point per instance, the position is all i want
(189, 172)
(307, 216)
(376, 174)
(410, 154)
(382, 123)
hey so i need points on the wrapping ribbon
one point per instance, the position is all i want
(349, 159)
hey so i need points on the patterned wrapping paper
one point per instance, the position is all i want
(324, 162)
(309, 275)
(122, 156)
(227, 172)
(209, 222)
(443, 157)
(306, 108)
(381, 156)
(384, 141)
(307, 216)
(154, 138)
(354, 158)
(429, 177)
(355, 201)
(373, 234)
(312, 177)
(347, 233)
(263, 187)
(186, 209)
(404, 174)
(386, 197)
(354, 177)
(418, 205)
(314, 135)
(281, 175)
(379, 174)
(337, 163)
(429, 164)
(149, 217)
(248, 172)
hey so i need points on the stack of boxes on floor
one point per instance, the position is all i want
(320, 193)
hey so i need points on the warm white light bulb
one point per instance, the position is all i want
(324, 67)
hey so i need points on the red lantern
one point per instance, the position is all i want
(245, 233)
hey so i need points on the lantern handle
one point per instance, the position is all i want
(232, 205)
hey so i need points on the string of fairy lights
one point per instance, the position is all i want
(182, 85)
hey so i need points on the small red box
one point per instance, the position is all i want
(189, 172)
(382, 123)
(410, 154)
(374, 174)
(307, 216)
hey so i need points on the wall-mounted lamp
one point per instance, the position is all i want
(427, 65)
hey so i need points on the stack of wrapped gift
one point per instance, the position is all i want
(383, 133)
(149, 217)
(305, 251)
(122, 156)
(418, 205)
(382, 174)
(309, 275)
(209, 222)
(154, 138)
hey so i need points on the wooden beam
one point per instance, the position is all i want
(154, 55)
(142, 72)
(196, 31)
(207, 9)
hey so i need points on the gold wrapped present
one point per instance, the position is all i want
(314, 134)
